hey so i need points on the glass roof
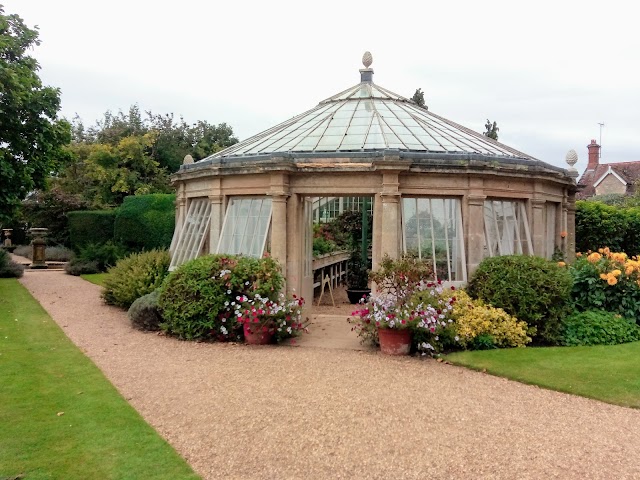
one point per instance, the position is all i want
(368, 117)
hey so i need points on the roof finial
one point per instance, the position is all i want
(367, 59)
(571, 159)
(366, 73)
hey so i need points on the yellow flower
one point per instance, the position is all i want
(616, 273)
(561, 264)
(594, 257)
(628, 271)
(604, 276)
(606, 251)
(601, 250)
(612, 280)
(578, 254)
(619, 257)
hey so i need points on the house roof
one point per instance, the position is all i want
(627, 172)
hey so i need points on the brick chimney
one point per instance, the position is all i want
(594, 155)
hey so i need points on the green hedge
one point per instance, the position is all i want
(145, 222)
(599, 225)
(91, 226)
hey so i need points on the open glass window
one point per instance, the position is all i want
(246, 226)
(506, 228)
(432, 229)
(189, 237)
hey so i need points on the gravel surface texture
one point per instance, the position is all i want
(235, 411)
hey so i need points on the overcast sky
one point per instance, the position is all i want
(547, 71)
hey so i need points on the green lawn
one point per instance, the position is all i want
(97, 278)
(60, 418)
(607, 373)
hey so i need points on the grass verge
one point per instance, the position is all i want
(59, 416)
(97, 278)
(609, 373)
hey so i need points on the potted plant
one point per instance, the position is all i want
(265, 321)
(357, 278)
(406, 304)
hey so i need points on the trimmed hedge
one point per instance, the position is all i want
(599, 225)
(90, 226)
(145, 222)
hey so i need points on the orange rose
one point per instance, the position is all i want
(612, 280)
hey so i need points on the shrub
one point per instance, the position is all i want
(597, 327)
(607, 280)
(9, 268)
(480, 326)
(135, 276)
(598, 224)
(145, 222)
(144, 313)
(56, 253)
(90, 227)
(81, 267)
(534, 290)
(105, 255)
(200, 297)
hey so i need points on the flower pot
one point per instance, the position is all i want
(356, 294)
(395, 341)
(256, 336)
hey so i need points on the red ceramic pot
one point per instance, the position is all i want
(254, 335)
(395, 341)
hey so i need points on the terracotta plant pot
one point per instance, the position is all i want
(394, 341)
(255, 335)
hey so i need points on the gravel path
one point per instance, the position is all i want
(235, 411)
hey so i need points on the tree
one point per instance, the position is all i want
(418, 97)
(31, 135)
(492, 130)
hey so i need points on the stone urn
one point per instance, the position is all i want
(38, 247)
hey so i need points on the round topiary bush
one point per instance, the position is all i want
(532, 289)
(198, 300)
(135, 276)
(144, 313)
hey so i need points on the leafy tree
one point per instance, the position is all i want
(492, 130)
(31, 135)
(418, 97)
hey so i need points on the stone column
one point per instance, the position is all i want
(279, 230)
(539, 226)
(376, 233)
(474, 229)
(390, 225)
(295, 248)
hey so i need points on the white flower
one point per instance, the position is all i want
(228, 292)
(456, 338)
(246, 283)
(223, 330)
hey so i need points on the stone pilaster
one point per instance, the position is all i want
(474, 229)
(571, 227)
(539, 227)
(217, 219)
(390, 225)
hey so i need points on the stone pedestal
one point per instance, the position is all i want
(38, 247)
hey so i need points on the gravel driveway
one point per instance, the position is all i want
(235, 411)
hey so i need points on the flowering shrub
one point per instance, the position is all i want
(481, 326)
(607, 280)
(197, 299)
(281, 317)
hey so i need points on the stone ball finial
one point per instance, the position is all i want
(367, 59)
(188, 159)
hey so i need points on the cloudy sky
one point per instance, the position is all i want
(547, 71)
